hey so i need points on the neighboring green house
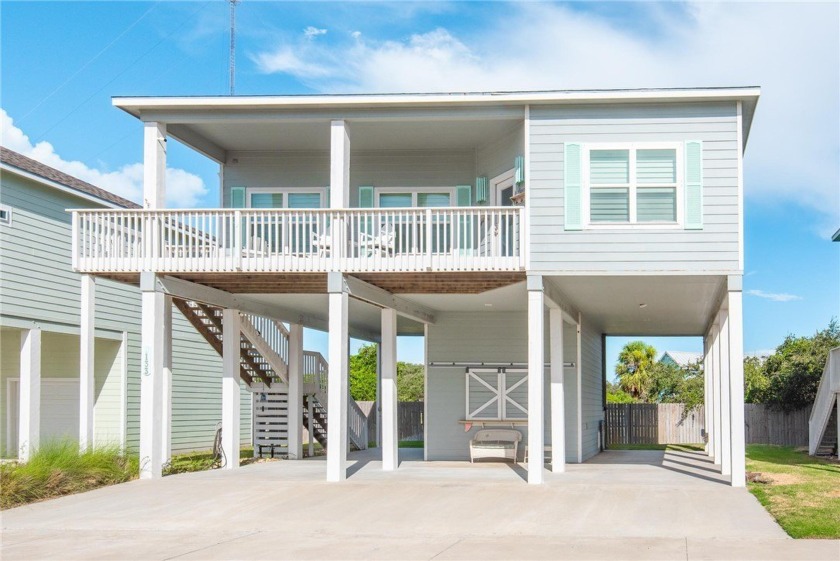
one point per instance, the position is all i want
(680, 358)
(40, 307)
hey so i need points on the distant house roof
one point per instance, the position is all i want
(836, 236)
(34, 167)
(680, 358)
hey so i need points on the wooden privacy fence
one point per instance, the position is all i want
(409, 418)
(663, 423)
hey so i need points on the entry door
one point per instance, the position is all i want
(59, 411)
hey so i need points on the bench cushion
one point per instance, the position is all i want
(493, 444)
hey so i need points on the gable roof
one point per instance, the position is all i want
(43, 171)
(682, 358)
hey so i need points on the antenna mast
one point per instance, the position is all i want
(233, 4)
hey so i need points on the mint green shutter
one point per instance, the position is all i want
(237, 197)
(693, 185)
(519, 170)
(482, 191)
(573, 185)
(463, 195)
(366, 196)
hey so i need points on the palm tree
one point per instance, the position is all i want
(635, 362)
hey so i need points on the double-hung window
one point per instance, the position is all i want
(289, 233)
(634, 183)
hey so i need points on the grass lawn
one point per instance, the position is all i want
(674, 447)
(802, 493)
(411, 444)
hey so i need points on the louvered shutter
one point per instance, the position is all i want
(693, 185)
(572, 186)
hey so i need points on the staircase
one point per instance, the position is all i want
(822, 425)
(263, 366)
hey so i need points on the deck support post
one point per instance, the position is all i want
(725, 401)
(166, 387)
(736, 394)
(29, 422)
(231, 349)
(339, 165)
(295, 402)
(87, 338)
(716, 409)
(339, 358)
(151, 377)
(154, 165)
(536, 367)
(390, 428)
(707, 396)
(558, 422)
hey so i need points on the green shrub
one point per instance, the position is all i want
(58, 468)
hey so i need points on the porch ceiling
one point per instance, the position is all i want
(673, 305)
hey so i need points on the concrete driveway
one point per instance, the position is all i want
(620, 505)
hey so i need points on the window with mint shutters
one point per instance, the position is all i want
(609, 180)
(266, 200)
(609, 204)
(656, 185)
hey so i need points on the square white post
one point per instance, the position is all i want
(716, 392)
(87, 337)
(339, 165)
(536, 368)
(337, 390)
(231, 336)
(29, 423)
(295, 403)
(725, 407)
(558, 420)
(708, 399)
(377, 409)
(154, 165)
(151, 378)
(736, 392)
(390, 429)
(166, 387)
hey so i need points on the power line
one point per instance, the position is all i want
(91, 61)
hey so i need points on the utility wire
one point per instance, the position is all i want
(125, 69)
(91, 61)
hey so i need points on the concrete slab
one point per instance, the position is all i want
(619, 505)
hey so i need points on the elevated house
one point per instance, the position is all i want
(513, 230)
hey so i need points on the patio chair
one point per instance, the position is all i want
(381, 243)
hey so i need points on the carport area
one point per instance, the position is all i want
(647, 505)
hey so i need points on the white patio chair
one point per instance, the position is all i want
(382, 243)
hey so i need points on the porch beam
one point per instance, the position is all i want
(372, 294)
(198, 143)
(87, 338)
(151, 380)
(388, 366)
(558, 420)
(536, 360)
(231, 329)
(295, 401)
(736, 392)
(554, 298)
(337, 384)
(29, 411)
(187, 290)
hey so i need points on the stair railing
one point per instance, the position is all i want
(828, 391)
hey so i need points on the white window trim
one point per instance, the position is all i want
(501, 391)
(679, 147)
(285, 191)
(502, 181)
(8, 220)
(379, 191)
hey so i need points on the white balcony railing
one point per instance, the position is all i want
(292, 240)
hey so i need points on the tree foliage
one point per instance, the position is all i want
(410, 377)
(616, 395)
(635, 362)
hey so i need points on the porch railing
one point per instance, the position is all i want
(299, 240)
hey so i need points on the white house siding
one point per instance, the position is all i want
(379, 168)
(592, 388)
(482, 337)
(38, 285)
(714, 248)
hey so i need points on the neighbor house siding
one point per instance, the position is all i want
(712, 249)
(483, 337)
(38, 286)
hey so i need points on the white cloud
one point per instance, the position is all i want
(787, 48)
(311, 32)
(183, 189)
(774, 296)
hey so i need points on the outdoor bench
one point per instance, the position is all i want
(495, 443)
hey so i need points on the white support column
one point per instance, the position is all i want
(725, 408)
(29, 411)
(558, 421)
(166, 387)
(295, 402)
(377, 411)
(154, 165)
(708, 400)
(339, 164)
(339, 356)
(390, 430)
(736, 393)
(536, 368)
(87, 337)
(151, 379)
(716, 392)
(231, 330)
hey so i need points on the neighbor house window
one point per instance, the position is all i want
(634, 184)
(5, 214)
(495, 395)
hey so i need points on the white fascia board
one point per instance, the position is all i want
(59, 186)
(136, 105)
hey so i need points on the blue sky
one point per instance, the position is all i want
(62, 62)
